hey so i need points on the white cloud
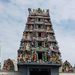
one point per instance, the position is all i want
(2, 8)
(66, 42)
(63, 9)
(67, 47)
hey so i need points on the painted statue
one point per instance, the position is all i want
(44, 57)
(28, 46)
(34, 56)
(49, 54)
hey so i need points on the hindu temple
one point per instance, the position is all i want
(38, 53)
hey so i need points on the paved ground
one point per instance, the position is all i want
(67, 74)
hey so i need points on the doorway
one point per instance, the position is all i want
(39, 72)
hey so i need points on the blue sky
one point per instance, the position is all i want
(13, 16)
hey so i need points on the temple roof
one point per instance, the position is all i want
(38, 11)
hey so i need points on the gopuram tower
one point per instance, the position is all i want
(39, 52)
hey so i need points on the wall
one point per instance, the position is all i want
(16, 73)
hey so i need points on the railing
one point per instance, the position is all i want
(29, 30)
(40, 49)
(40, 30)
(47, 24)
(49, 39)
(30, 23)
(39, 22)
(40, 39)
(26, 39)
(49, 31)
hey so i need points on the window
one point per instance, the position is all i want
(39, 26)
(39, 55)
(39, 19)
(39, 34)
(39, 43)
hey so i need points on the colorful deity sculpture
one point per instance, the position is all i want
(8, 65)
(49, 54)
(28, 47)
(34, 56)
(67, 67)
(45, 57)
(20, 58)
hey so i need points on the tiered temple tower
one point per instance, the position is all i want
(39, 52)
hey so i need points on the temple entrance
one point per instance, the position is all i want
(39, 72)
